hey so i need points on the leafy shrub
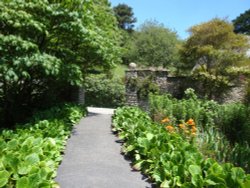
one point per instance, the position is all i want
(40, 55)
(170, 159)
(31, 154)
(104, 92)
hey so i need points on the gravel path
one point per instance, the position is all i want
(92, 158)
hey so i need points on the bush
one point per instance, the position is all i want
(104, 92)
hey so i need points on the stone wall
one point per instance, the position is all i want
(78, 95)
(177, 85)
(160, 78)
(131, 93)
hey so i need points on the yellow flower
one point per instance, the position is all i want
(170, 128)
(191, 122)
(193, 134)
(165, 120)
(194, 129)
(182, 126)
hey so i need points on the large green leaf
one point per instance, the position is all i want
(23, 183)
(34, 180)
(47, 184)
(194, 169)
(11, 160)
(165, 184)
(12, 145)
(149, 136)
(4, 178)
(216, 169)
(32, 159)
(215, 179)
(138, 165)
(247, 182)
(197, 180)
(209, 182)
(2, 145)
(237, 173)
(24, 168)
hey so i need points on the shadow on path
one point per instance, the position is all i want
(93, 160)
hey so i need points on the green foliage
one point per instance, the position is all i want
(241, 23)
(153, 45)
(168, 158)
(102, 91)
(224, 129)
(143, 86)
(119, 72)
(211, 53)
(125, 17)
(31, 154)
(48, 46)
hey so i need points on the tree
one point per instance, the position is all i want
(48, 46)
(211, 53)
(125, 17)
(153, 45)
(242, 23)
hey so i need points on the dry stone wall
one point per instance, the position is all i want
(176, 86)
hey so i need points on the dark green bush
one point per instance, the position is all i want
(102, 91)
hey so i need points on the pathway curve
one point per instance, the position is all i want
(92, 158)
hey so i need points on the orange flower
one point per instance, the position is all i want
(182, 126)
(191, 122)
(170, 128)
(165, 120)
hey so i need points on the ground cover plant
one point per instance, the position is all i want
(31, 153)
(224, 129)
(169, 154)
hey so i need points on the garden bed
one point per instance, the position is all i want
(31, 153)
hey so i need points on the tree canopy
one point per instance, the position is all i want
(48, 45)
(242, 23)
(153, 45)
(212, 50)
(125, 17)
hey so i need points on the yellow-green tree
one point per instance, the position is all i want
(212, 53)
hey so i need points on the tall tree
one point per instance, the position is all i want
(153, 45)
(47, 46)
(242, 23)
(212, 51)
(125, 17)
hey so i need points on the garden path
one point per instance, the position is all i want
(92, 158)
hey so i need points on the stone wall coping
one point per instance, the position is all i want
(141, 70)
